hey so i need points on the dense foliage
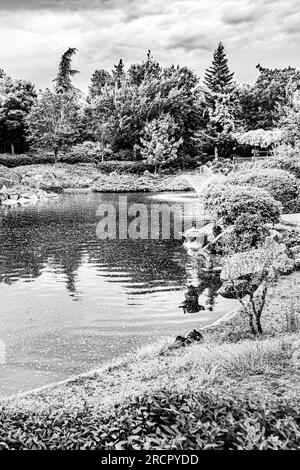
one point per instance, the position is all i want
(147, 111)
(282, 185)
(229, 202)
(165, 420)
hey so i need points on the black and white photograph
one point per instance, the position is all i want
(149, 228)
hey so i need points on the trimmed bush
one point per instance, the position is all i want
(122, 167)
(282, 185)
(11, 161)
(228, 202)
(162, 420)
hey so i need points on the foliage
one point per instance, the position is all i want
(228, 202)
(53, 121)
(251, 273)
(260, 105)
(259, 137)
(16, 100)
(85, 152)
(160, 146)
(290, 120)
(218, 77)
(63, 82)
(160, 420)
(148, 69)
(99, 80)
(286, 158)
(282, 185)
(123, 167)
(126, 109)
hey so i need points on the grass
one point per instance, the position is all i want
(230, 391)
(63, 176)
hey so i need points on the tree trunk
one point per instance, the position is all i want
(258, 324)
(216, 153)
(252, 328)
(12, 149)
(55, 154)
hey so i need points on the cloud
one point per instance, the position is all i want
(13, 5)
(34, 34)
(240, 17)
(191, 41)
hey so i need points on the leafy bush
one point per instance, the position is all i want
(282, 185)
(11, 161)
(285, 158)
(159, 142)
(164, 420)
(228, 202)
(122, 167)
(87, 152)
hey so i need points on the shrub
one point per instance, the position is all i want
(87, 152)
(285, 158)
(11, 161)
(228, 202)
(122, 167)
(282, 185)
(161, 420)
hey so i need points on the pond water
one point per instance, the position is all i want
(70, 301)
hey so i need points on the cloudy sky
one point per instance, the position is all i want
(34, 34)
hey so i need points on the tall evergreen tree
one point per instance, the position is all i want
(218, 77)
(63, 81)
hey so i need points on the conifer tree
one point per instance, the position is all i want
(218, 77)
(118, 73)
(63, 81)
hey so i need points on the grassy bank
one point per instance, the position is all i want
(63, 176)
(225, 392)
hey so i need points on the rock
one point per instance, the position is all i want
(275, 235)
(240, 288)
(191, 338)
(181, 341)
(297, 262)
(284, 264)
(9, 202)
(295, 250)
(23, 200)
(195, 336)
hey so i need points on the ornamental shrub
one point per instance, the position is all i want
(228, 202)
(282, 185)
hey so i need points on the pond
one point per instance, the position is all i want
(71, 301)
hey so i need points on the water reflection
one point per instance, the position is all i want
(70, 301)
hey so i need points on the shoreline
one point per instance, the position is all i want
(100, 369)
(225, 325)
(21, 185)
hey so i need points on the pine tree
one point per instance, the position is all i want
(118, 73)
(218, 77)
(65, 72)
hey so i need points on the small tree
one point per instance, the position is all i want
(53, 121)
(160, 146)
(248, 276)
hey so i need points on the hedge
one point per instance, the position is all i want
(122, 167)
(162, 420)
